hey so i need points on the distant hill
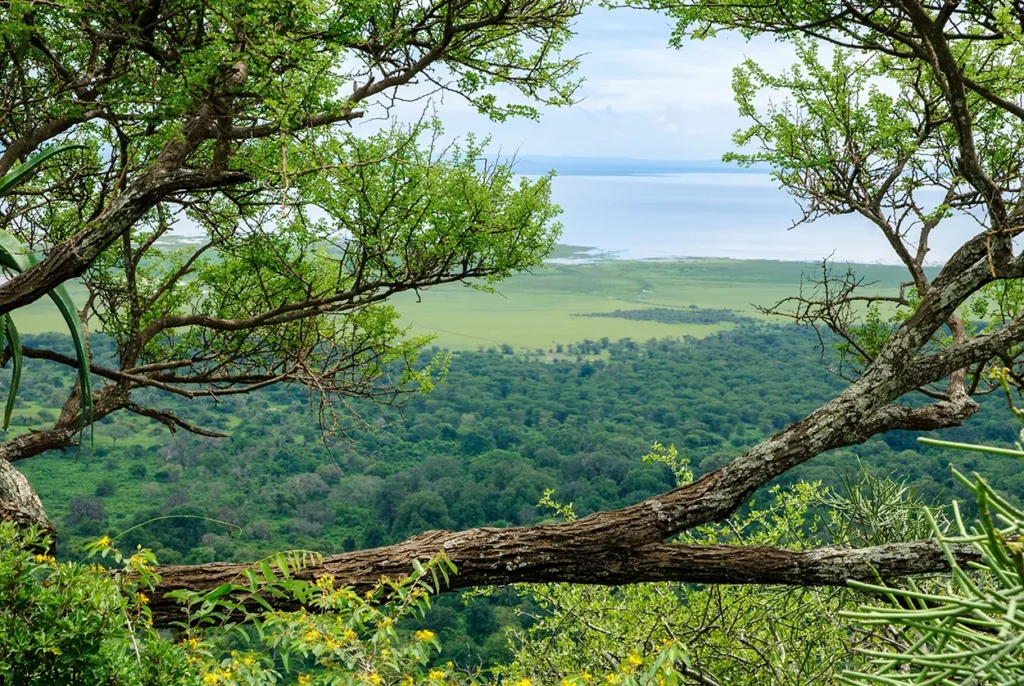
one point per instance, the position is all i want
(623, 166)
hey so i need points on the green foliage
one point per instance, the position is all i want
(66, 623)
(77, 623)
(15, 257)
(729, 634)
(22, 173)
(967, 629)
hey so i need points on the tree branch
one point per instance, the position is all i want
(562, 553)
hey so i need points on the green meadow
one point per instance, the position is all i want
(538, 309)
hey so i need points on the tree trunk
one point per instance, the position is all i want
(19, 502)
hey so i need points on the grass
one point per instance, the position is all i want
(536, 310)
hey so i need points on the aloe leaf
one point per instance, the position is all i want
(62, 299)
(25, 171)
(15, 344)
(16, 257)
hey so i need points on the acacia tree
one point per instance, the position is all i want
(234, 120)
(948, 117)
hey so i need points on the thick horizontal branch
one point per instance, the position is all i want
(550, 554)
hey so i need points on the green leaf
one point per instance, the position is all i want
(16, 257)
(22, 174)
(221, 590)
(15, 345)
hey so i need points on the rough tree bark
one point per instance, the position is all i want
(19, 502)
(560, 553)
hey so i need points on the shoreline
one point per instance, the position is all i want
(579, 255)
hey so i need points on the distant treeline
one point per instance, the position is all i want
(668, 315)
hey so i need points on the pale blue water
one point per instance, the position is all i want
(739, 215)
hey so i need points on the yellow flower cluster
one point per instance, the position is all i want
(104, 542)
(305, 679)
(137, 561)
(141, 598)
(424, 635)
(435, 675)
(48, 560)
(221, 675)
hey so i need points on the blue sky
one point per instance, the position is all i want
(640, 98)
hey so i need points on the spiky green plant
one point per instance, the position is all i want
(16, 257)
(968, 630)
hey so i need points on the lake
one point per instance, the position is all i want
(738, 215)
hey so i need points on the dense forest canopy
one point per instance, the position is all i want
(123, 120)
(499, 431)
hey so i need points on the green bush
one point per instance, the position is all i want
(75, 623)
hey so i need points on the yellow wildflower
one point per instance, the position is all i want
(424, 635)
(523, 682)
(210, 678)
(141, 598)
(435, 675)
(566, 682)
(634, 660)
(349, 635)
(311, 636)
(373, 678)
(587, 678)
(104, 542)
(304, 679)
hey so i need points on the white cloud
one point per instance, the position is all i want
(640, 98)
